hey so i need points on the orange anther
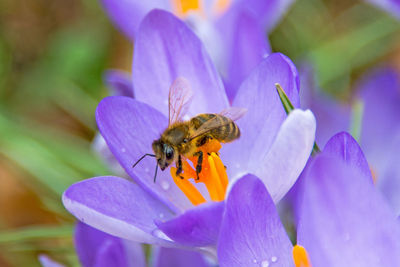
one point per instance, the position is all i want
(221, 171)
(300, 257)
(188, 189)
(212, 174)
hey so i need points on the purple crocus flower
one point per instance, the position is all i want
(96, 249)
(233, 31)
(344, 221)
(378, 92)
(119, 83)
(273, 146)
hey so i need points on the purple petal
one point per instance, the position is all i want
(388, 179)
(380, 93)
(332, 116)
(111, 254)
(127, 14)
(45, 261)
(129, 127)
(88, 242)
(117, 207)
(96, 248)
(166, 49)
(344, 221)
(265, 112)
(344, 146)
(380, 135)
(251, 231)
(280, 167)
(196, 227)
(245, 45)
(390, 6)
(167, 257)
(119, 82)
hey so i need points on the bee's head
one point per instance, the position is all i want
(164, 154)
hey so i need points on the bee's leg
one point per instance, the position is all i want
(179, 167)
(199, 163)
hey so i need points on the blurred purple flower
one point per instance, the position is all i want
(168, 257)
(96, 249)
(344, 221)
(127, 14)
(378, 91)
(119, 83)
(233, 31)
(390, 6)
(273, 146)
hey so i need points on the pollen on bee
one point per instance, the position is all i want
(213, 175)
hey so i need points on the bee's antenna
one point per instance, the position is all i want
(151, 155)
(155, 174)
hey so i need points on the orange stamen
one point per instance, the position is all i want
(188, 189)
(221, 171)
(212, 174)
(183, 7)
(214, 179)
(300, 257)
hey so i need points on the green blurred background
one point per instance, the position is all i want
(53, 54)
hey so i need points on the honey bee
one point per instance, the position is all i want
(183, 139)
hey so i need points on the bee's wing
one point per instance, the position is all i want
(179, 98)
(232, 113)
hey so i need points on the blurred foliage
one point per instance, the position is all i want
(340, 39)
(52, 56)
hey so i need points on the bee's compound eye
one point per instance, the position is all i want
(185, 140)
(169, 153)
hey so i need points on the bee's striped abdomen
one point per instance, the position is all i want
(225, 131)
